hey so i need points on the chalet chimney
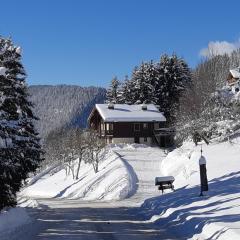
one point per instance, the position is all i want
(144, 107)
(110, 106)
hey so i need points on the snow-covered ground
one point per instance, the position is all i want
(112, 182)
(127, 174)
(214, 216)
(79, 218)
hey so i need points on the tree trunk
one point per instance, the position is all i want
(78, 167)
(72, 170)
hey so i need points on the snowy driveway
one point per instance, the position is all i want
(70, 220)
(145, 162)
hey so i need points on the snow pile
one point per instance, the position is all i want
(130, 146)
(27, 202)
(12, 219)
(112, 182)
(214, 216)
(181, 163)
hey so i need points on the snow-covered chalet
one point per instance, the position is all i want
(123, 123)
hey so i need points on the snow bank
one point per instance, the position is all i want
(182, 163)
(112, 182)
(27, 202)
(12, 219)
(214, 216)
(126, 146)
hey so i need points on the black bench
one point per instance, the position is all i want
(164, 183)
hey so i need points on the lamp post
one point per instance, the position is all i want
(203, 174)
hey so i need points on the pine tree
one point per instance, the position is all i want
(125, 92)
(113, 92)
(143, 89)
(161, 83)
(173, 79)
(20, 150)
(139, 88)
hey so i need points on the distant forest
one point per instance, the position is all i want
(63, 105)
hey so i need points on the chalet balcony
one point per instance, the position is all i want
(164, 131)
(164, 137)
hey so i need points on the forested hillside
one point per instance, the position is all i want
(62, 105)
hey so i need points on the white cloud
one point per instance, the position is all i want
(219, 48)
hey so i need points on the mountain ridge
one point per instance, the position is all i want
(62, 105)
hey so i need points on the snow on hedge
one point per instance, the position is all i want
(214, 216)
(112, 182)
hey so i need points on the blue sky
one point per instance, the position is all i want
(88, 42)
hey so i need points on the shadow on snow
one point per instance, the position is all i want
(178, 220)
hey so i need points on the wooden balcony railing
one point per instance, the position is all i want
(108, 132)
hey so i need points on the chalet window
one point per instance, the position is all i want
(145, 126)
(136, 127)
(145, 139)
(110, 126)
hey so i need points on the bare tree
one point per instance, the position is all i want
(81, 145)
(53, 146)
(96, 146)
(60, 149)
(69, 147)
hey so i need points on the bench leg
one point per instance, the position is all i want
(161, 187)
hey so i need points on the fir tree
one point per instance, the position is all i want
(113, 93)
(143, 89)
(20, 150)
(161, 83)
(173, 78)
(125, 92)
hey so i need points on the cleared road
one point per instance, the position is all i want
(70, 220)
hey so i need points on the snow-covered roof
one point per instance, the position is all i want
(130, 113)
(235, 72)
